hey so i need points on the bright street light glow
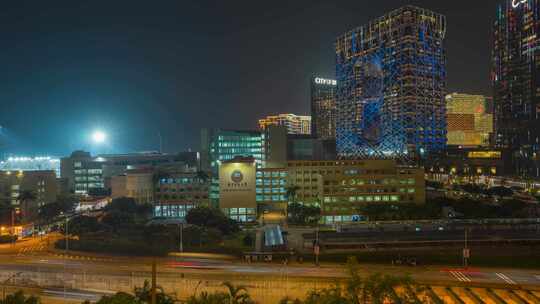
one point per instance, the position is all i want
(99, 137)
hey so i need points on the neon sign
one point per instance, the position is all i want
(325, 81)
(517, 3)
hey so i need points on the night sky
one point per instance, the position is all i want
(139, 68)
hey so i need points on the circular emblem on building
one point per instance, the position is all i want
(237, 176)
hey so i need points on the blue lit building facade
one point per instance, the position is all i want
(391, 84)
(516, 83)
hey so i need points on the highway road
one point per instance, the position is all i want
(37, 267)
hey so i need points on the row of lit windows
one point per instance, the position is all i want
(173, 211)
(88, 171)
(229, 156)
(239, 150)
(93, 178)
(368, 190)
(342, 218)
(269, 182)
(239, 138)
(271, 174)
(271, 190)
(241, 214)
(184, 180)
(239, 144)
(273, 198)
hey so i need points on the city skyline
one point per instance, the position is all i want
(121, 85)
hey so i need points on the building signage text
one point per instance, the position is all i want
(325, 81)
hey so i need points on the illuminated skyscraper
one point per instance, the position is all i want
(323, 108)
(391, 82)
(516, 82)
(469, 122)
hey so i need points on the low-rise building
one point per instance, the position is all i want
(87, 174)
(339, 187)
(469, 164)
(137, 184)
(178, 192)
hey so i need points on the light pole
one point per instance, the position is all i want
(181, 229)
(66, 248)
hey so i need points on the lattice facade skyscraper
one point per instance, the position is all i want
(516, 82)
(391, 77)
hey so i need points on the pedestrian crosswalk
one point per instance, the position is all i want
(83, 258)
(31, 250)
(460, 276)
(505, 278)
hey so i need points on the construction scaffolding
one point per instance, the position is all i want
(391, 79)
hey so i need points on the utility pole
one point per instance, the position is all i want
(317, 247)
(466, 251)
(153, 292)
(66, 248)
(13, 227)
(181, 237)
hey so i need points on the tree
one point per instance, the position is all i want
(211, 218)
(237, 294)
(291, 193)
(234, 295)
(141, 295)
(376, 288)
(144, 294)
(117, 219)
(122, 204)
(82, 225)
(25, 198)
(63, 204)
(303, 215)
(500, 191)
(20, 298)
(118, 298)
(208, 298)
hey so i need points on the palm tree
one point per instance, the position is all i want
(291, 193)
(238, 294)
(144, 294)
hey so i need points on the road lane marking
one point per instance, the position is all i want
(460, 276)
(505, 278)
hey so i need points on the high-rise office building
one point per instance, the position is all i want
(516, 82)
(323, 108)
(469, 122)
(391, 83)
(295, 124)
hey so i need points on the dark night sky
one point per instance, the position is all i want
(137, 68)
